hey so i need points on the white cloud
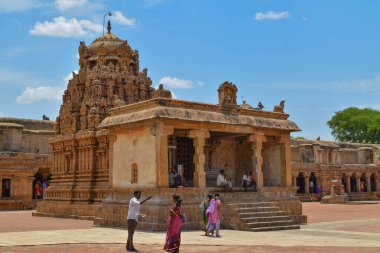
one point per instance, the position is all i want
(64, 5)
(174, 82)
(356, 85)
(30, 95)
(63, 27)
(121, 19)
(271, 15)
(18, 5)
(2, 114)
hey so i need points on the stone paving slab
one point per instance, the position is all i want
(333, 228)
(311, 235)
(116, 248)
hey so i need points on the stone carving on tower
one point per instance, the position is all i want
(227, 94)
(108, 77)
(161, 92)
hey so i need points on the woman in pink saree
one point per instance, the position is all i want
(173, 234)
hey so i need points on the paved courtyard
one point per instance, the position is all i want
(331, 228)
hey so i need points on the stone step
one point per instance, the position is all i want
(252, 204)
(257, 209)
(271, 223)
(275, 228)
(260, 214)
(265, 219)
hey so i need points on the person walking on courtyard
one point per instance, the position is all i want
(246, 181)
(221, 181)
(214, 216)
(133, 215)
(203, 207)
(173, 234)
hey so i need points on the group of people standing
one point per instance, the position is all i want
(210, 215)
(175, 220)
(39, 188)
(210, 219)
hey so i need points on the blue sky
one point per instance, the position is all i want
(320, 56)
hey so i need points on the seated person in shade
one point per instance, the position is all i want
(246, 181)
(175, 180)
(221, 181)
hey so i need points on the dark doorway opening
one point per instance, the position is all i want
(301, 183)
(6, 188)
(185, 158)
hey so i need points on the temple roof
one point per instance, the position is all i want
(108, 40)
(196, 112)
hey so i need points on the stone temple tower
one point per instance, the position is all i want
(108, 77)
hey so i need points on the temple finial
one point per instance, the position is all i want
(109, 27)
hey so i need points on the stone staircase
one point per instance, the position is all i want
(254, 214)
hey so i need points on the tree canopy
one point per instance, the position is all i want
(356, 125)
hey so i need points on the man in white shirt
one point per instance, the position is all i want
(133, 215)
(221, 181)
(246, 181)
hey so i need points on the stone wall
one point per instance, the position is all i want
(134, 148)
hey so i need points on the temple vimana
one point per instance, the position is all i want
(116, 133)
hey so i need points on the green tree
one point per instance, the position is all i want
(357, 125)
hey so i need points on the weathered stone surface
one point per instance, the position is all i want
(24, 150)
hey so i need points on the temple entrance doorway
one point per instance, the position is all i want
(6, 188)
(363, 183)
(313, 183)
(353, 183)
(301, 183)
(373, 183)
(40, 183)
(185, 159)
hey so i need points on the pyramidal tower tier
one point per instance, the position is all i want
(108, 77)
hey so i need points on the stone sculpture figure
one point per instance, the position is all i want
(279, 108)
(227, 94)
(161, 92)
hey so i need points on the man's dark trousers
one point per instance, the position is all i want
(132, 224)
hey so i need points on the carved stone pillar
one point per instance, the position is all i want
(358, 184)
(199, 137)
(307, 184)
(294, 181)
(257, 158)
(368, 180)
(286, 157)
(161, 133)
(348, 184)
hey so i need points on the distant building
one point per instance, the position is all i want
(25, 160)
(355, 165)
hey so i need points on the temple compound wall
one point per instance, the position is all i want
(355, 165)
(24, 154)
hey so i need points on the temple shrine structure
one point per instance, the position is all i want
(116, 133)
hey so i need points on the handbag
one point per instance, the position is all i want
(183, 217)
